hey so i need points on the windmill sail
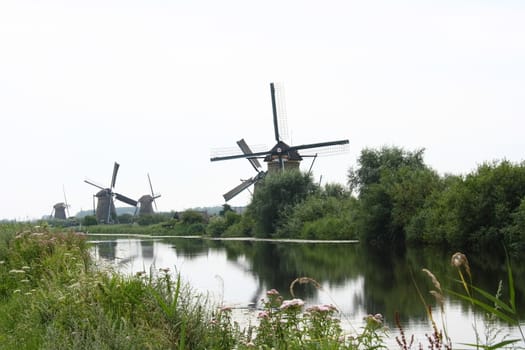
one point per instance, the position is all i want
(238, 189)
(246, 183)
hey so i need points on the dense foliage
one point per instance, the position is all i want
(391, 184)
(401, 199)
(482, 208)
(275, 196)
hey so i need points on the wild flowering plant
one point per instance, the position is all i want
(287, 324)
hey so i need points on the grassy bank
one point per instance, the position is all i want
(52, 296)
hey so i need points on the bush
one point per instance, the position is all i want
(125, 219)
(89, 220)
(217, 226)
(196, 229)
(274, 197)
(328, 227)
(243, 228)
(150, 219)
(189, 217)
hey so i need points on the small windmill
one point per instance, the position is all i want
(146, 201)
(105, 211)
(60, 209)
(279, 157)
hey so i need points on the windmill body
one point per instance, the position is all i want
(146, 205)
(147, 201)
(59, 211)
(106, 212)
(279, 158)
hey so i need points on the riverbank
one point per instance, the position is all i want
(241, 239)
(54, 297)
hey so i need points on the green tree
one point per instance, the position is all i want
(275, 196)
(515, 232)
(225, 209)
(481, 209)
(392, 185)
(372, 163)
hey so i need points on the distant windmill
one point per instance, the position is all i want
(60, 209)
(105, 211)
(279, 157)
(146, 201)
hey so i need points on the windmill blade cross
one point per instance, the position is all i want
(153, 194)
(274, 112)
(126, 200)
(320, 144)
(65, 200)
(237, 156)
(114, 176)
(246, 150)
(238, 189)
(94, 184)
(150, 186)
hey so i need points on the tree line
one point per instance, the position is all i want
(391, 198)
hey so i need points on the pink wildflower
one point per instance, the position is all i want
(226, 309)
(263, 314)
(292, 303)
(272, 292)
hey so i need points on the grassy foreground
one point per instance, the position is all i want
(52, 296)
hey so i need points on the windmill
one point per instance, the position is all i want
(147, 200)
(105, 211)
(280, 157)
(60, 209)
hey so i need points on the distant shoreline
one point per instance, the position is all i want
(252, 239)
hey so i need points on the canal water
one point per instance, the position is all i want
(356, 279)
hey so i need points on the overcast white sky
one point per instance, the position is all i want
(156, 85)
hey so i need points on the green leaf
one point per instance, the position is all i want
(492, 347)
(494, 300)
(512, 292)
(486, 307)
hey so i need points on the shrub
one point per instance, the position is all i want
(217, 226)
(89, 220)
(274, 197)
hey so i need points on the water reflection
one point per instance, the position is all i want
(358, 280)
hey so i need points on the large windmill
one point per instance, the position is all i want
(280, 157)
(105, 211)
(147, 200)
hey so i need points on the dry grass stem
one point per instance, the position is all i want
(303, 280)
